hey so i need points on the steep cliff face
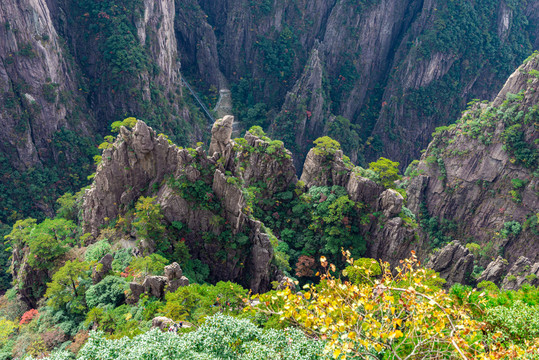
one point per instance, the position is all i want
(135, 70)
(439, 68)
(204, 193)
(38, 83)
(388, 236)
(396, 69)
(478, 178)
(69, 68)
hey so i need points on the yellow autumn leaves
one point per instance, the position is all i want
(396, 316)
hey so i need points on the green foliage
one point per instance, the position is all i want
(95, 252)
(195, 302)
(109, 291)
(362, 270)
(66, 171)
(437, 229)
(279, 54)
(517, 183)
(68, 206)
(311, 224)
(387, 170)
(46, 241)
(326, 146)
(198, 192)
(516, 143)
(255, 115)
(49, 91)
(408, 216)
(518, 322)
(20, 233)
(5, 276)
(514, 117)
(122, 258)
(346, 133)
(148, 223)
(342, 82)
(511, 229)
(119, 322)
(67, 289)
(153, 264)
(220, 337)
(7, 328)
(196, 271)
(532, 224)
(129, 123)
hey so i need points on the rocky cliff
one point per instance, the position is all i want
(204, 193)
(477, 180)
(396, 69)
(74, 67)
(387, 235)
(378, 75)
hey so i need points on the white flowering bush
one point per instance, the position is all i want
(219, 338)
(518, 322)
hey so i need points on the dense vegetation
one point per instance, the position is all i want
(367, 310)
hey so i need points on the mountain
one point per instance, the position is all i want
(377, 75)
(478, 179)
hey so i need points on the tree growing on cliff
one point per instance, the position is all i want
(67, 289)
(387, 170)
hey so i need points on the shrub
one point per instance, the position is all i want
(220, 337)
(511, 228)
(387, 170)
(122, 258)
(109, 291)
(153, 264)
(129, 123)
(363, 270)
(28, 316)
(518, 322)
(326, 146)
(95, 252)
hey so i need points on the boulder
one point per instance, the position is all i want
(494, 271)
(102, 268)
(454, 263)
(136, 291)
(221, 132)
(173, 271)
(162, 323)
(522, 272)
(175, 284)
(390, 203)
(155, 286)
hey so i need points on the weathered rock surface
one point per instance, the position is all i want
(137, 160)
(259, 166)
(390, 203)
(162, 323)
(34, 71)
(31, 282)
(495, 271)
(522, 271)
(102, 268)
(469, 178)
(325, 170)
(155, 286)
(137, 165)
(173, 271)
(158, 285)
(454, 263)
(220, 135)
